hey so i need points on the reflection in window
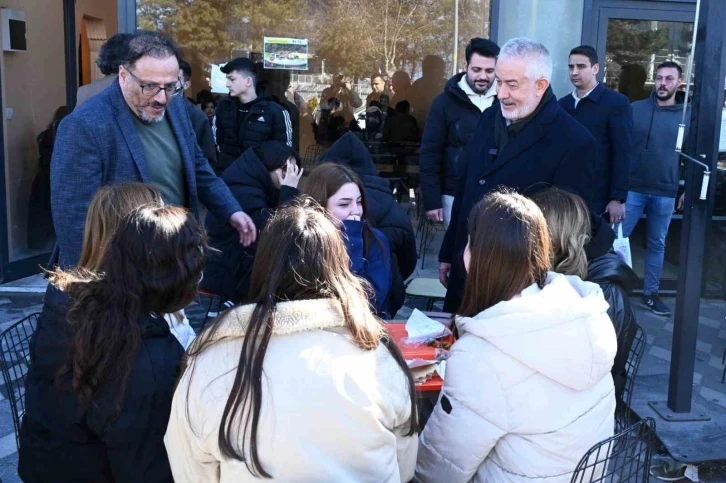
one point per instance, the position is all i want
(634, 48)
(348, 40)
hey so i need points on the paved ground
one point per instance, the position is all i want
(711, 345)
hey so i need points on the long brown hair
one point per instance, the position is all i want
(301, 256)
(568, 219)
(152, 265)
(326, 180)
(108, 207)
(510, 250)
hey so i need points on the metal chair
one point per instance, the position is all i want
(429, 289)
(427, 229)
(622, 410)
(14, 363)
(623, 458)
(312, 156)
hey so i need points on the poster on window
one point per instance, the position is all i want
(285, 53)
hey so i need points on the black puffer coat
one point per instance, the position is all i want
(449, 127)
(383, 212)
(227, 273)
(62, 441)
(616, 279)
(242, 126)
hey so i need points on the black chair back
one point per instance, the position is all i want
(624, 458)
(622, 410)
(14, 363)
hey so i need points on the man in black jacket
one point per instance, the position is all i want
(200, 123)
(526, 143)
(245, 120)
(453, 116)
(383, 212)
(608, 117)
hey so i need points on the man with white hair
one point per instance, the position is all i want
(527, 143)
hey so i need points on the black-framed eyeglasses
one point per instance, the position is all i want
(152, 90)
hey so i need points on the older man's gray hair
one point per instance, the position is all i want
(536, 55)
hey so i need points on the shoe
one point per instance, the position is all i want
(655, 305)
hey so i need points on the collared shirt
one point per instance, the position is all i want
(577, 99)
(481, 101)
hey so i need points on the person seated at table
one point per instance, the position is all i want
(582, 244)
(340, 191)
(261, 180)
(528, 388)
(382, 212)
(300, 385)
(98, 396)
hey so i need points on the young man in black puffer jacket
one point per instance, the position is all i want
(616, 279)
(244, 119)
(383, 212)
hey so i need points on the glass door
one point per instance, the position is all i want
(633, 38)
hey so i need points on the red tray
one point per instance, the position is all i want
(397, 330)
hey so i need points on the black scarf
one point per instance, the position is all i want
(503, 133)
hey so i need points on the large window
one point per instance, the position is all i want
(634, 48)
(402, 40)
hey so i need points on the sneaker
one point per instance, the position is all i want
(655, 305)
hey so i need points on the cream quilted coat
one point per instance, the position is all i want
(528, 389)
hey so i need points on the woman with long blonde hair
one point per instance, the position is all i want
(582, 245)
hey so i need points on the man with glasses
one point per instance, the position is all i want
(136, 130)
(655, 173)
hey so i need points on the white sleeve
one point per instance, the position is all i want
(189, 462)
(468, 420)
(406, 449)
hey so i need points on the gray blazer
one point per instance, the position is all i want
(98, 145)
(95, 87)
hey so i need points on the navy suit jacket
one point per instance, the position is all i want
(551, 150)
(608, 116)
(97, 145)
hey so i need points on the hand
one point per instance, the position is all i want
(681, 202)
(245, 226)
(436, 215)
(292, 175)
(444, 269)
(347, 85)
(615, 211)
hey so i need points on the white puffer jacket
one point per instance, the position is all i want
(528, 389)
(331, 412)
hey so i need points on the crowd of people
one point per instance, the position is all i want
(297, 380)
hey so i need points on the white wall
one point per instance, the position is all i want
(555, 23)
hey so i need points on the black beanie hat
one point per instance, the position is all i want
(274, 154)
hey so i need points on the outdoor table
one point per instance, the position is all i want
(397, 330)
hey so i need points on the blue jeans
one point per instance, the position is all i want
(659, 211)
